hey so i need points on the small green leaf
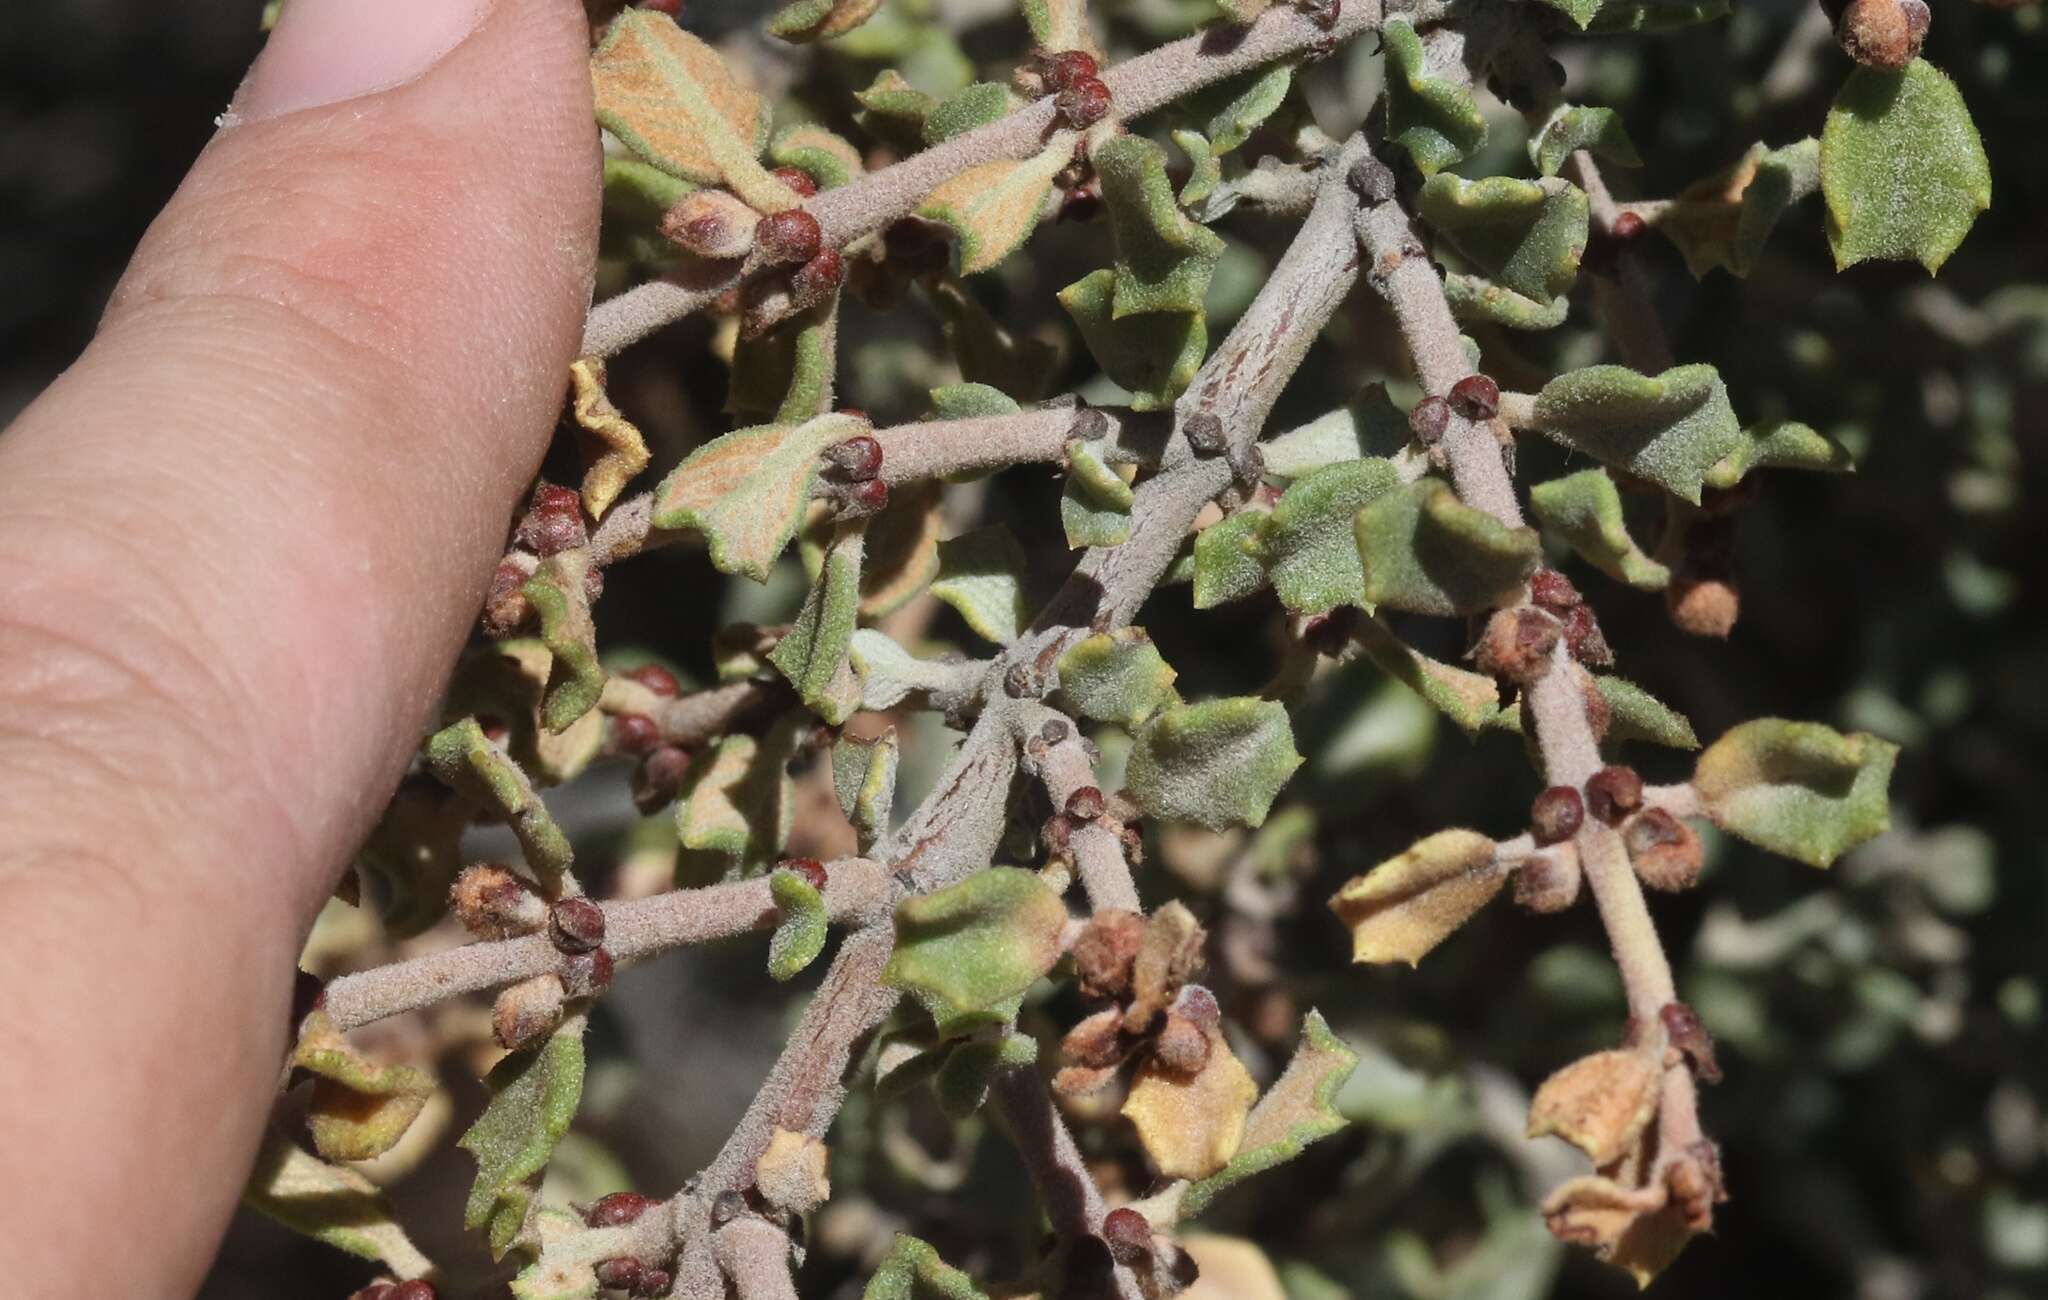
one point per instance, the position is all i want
(1572, 127)
(1433, 118)
(888, 672)
(1635, 714)
(971, 401)
(1154, 356)
(465, 761)
(533, 1101)
(1232, 109)
(359, 1108)
(1095, 506)
(812, 654)
(824, 156)
(1116, 677)
(1300, 1108)
(1409, 904)
(1424, 551)
(1797, 788)
(962, 1082)
(1579, 11)
(1205, 171)
(575, 679)
(864, 778)
(740, 802)
(1218, 763)
(785, 375)
(913, 1271)
(802, 21)
(982, 575)
(976, 105)
(1780, 444)
(1229, 563)
(1309, 541)
(894, 109)
(800, 935)
(746, 490)
(970, 946)
(1163, 259)
(1901, 167)
(1584, 510)
(1471, 700)
(993, 208)
(331, 1204)
(1370, 426)
(1727, 219)
(1525, 239)
(1670, 430)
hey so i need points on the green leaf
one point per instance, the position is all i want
(1095, 506)
(1901, 167)
(1670, 430)
(1424, 551)
(1780, 444)
(746, 490)
(575, 678)
(1579, 11)
(800, 935)
(864, 778)
(976, 105)
(973, 945)
(1726, 219)
(1309, 541)
(740, 801)
(533, 1101)
(894, 109)
(1154, 357)
(465, 761)
(1232, 109)
(812, 654)
(359, 1108)
(971, 401)
(1525, 238)
(913, 1271)
(1409, 904)
(1472, 700)
(1433, 118)
(1584, 510)
(1218, 763)
(993, 208)
(1163, 259)
(1058, 24)
(962, 1081)
(1619, 17)
(815, 20)
(1300, 1108)
(1635, 714)
(785, 375)
(1572, 127)
(330, 1204)
(1205, 171)
(1229, 563)
(1797, 788)
(1116, 677)
(982, 575)
(888, 672)
(1370, 426)
(824, 156)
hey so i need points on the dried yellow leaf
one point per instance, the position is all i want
(1231, 1269)
(622, 452)
(1191, 1127)
(1600, 1104)
(1407, 905)
(1637, 1229)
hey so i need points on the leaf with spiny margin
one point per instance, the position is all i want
(1584, 510)
(1229, 564)
(621, 451)
(992, 209)
(534, 1095)
(970, 946)
(825, 156)
(1635, 714)
(1154, 356)
(1309, 541)
(864, 778)
(575, 678)
(1218, 763)
(1424, 551)
(359, 1108)
(1409, 904)
(802, 21)
(965, 109)
(902, 550)
(1726, 219)
(1370, 426)
(331, 1204)
(982, 575)
(1433, 118)
(894, 109)
(785, 375)
(1232, 109)
(1117, 677)
(888, 672)
(1299, 1109)
(740, 801)
(1059, 24)
(800, 935)
(464, 760)
(912, 1270)
(1901, 167)
(812, 654)
(1525, 239)
(971, 401)
(1095, 505)
(1670, 429)
(1619, 17)
(1572, 127)
(413, 855)
(1205, 171)
(1191, 1127)
(1163, 259)
(989, 353)
(746, 490)
(1579, 11)
(1780, 444)
(1797, 788)
(1471, 700)
(673, 101)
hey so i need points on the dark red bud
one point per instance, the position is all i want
(576, 925)
(1628, 225)
(818, 279)
(618, 1208)
(1553, 591)
(506, 609)
(653, 1282)
(860, 500)
(812, 870)
(1690, 1037)
(1085, 804)
(1063, 69)
(859, 458)
(1582, 636)
(659, 778)
(635, 734)
(1083, 103)
(1475, 397)
(1429, 419)
(375, 1291)
(1612, 793)
(1129, 1235)
(655, 678)
(622, 1273)
(797, 179)
(586, 974)
(791, 235)
(1556, 815)
(554, 522)
(414, 1290)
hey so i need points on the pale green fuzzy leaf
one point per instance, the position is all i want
(971, 401)
(864, 778)
(816, 20)
(746, 491)
(1901, 167)
(555, 1279)
(575, 679)
(962, 1081)
(1584, 510)
(464, 760)
(1424, 551)
(992, 209)
(824, 156)
(331, 1204)
(1095, 505)
(1618, 17)
(1635, 714)
(1579, 11)
(1297, 1110)
(812, 655)
(982, 575)
(1116, 677)
(1163, 259)
(1471, 700)
(672, 100)
(360, 1108)
(1780, 444)
(800, 935)
(1409, 904)
(534, 1095)
(1229, 564)
(888, 672)
(1371, 426)
(1524, 238)
(973, 945)
(1727, 219)
(1572, 127)
(507, 680)
(1433, 118)
(1670, 429)
(1155, 356)
(1475, 299)
(976, 105)
(1058, 24)
(1218, 763)
(1797, 788)
(1309, 541)
(894, 109)
(913, 1271)
(739, 801)
(1206, 170)
(1231, 110)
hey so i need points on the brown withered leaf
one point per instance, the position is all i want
(791, 1172)
(1191, 1127)
(1600, 1103)
(621, 451)
(1635, 1229)
(1169, 954)
(1407, 905)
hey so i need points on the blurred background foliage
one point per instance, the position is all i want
(1880, 1026)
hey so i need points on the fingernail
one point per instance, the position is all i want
(325, 51)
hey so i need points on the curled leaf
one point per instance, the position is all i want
(746, 490)
(330, 1204)
(802, 21)
(1584, 510)
(970, 946)
(800, 935)
(1726, 219)
(982, 575)
(1163, 258)
(912, 1270)
(1600, 1103)
(1471, 700)
(534, 1095)
(1191, 1127)
(1524, 239)
(1670, 429)
(813, 652)
(1570, 128)
(1308, 543)
(1433, 118)
(1095, 506)
(993, 208)
(1409, 904)
(1116, 677)
(1299, 1109)
(622, 452)
(1423, 550)
(1153, 356)
(864, 778)
(359, 1108)
(463, 759)
(1797, 788)
(1218, 763)
(1229, 561)
(740, 801)
(561, 598)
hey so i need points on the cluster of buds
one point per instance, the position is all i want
(658, 778)
(416, 1289)
(494, 903)
(626, 1273)
(1073, 78)
(1142, 966)
(853, 469)
(553, 523)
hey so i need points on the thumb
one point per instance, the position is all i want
(241, 541)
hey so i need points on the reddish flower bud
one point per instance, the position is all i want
(1085, 804)
(621, 1273)
(1556, 815)
(812, 870)
(653, 1282)
(1582, 636)
(1551, 590)
(616, 1209)
(1475, 397)
(1066, 67)
(554, 521)
(635, 734)
(1548, 882)
(1105, 951)
(576, 925)
(527, 1012)
(859, 458)
(659, 778)
(797, 179)
(711, 223)
(818, 279)
(1882, 33)
(1083, 103)
(791, 235)
(586, 974)
(1666, 852)
(1612, 793)
(1429, 419)
(1628, 226)
(507, 611)
(1516, 645)
(1129, 1235)
(414, 1290)
(859, 500)
(1703, 606)
(655, 678)
(1182, 1047)
(375, 1291)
